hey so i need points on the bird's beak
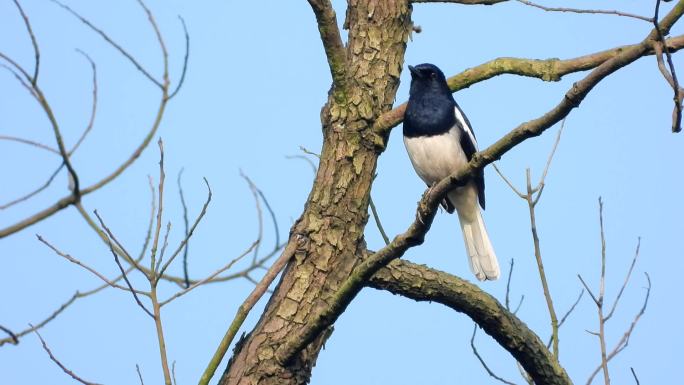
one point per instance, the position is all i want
(414, 72)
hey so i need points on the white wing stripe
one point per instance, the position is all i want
(464, 124)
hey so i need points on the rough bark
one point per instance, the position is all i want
(329, 234)
(422, 283)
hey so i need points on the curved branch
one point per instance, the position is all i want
(422, 283)
(547, 70)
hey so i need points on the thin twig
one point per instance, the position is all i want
(593, 11)
(484, 365)
(111, 42)
(566, 315)
(244, 310)
(508, 283)
(34, 42)
(599, 302)
(165, 244)
(160, 40)
(123, 271)
(185, 59)
(185, 222)
(508, 182)
(304, 158)
(624, 341)
(542, 180)
(670, 76)
(93, 109)
(376, 217)
(34, 192)
(160, 210)
(260, 217)
(636, 379)
(77, 295)
(210, 276)
(13, 337)
(531, 202)
(173, 372)
(137, 369)
(29, 142)
(185, 240)
(624, 284)
(593, 297)
(273, 219)
(56, 361)
(111, 237)
(90, 269)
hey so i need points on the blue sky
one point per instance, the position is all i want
(256, 82)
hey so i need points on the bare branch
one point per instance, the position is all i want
(160, 209)
(260, 217)
(624, 341)
(34, 43)
(244, 310)
(588, 290)
(29, 142)
(71, 198)
(123, 271)
(590, 11)
(111, 237)
(185, 222)
(111, 42)
(210, 276)
(13, 337)
(565, 316)
(508, 182)
(376, 217)
(56, 361)
(34, 192)
(636, 379)
(185, 240)
(484, 365)
(90, 269)
(93, 109)
(542, 180)
(137, 369)
(185, 59)
(624, 284)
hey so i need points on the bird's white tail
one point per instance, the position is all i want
(480, 252)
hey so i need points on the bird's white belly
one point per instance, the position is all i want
(436, 157)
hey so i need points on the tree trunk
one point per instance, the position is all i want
(329, 234)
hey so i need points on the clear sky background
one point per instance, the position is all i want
(256, 82)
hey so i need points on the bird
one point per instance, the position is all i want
(440, 140)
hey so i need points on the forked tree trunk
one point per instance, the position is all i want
(329, 234)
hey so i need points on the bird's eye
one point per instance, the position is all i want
(433, 75)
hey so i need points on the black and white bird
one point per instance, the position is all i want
(440, 140)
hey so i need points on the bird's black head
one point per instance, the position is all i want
(428, 78)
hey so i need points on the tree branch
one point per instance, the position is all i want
(332, 42)
(427, 207)
(547, 70)
(422, 283)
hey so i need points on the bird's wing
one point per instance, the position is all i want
(469, 146)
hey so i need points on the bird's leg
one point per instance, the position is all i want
(426, 194)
